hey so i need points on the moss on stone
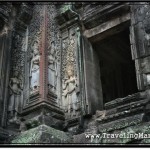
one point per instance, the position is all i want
(42, 134)
(134, 130)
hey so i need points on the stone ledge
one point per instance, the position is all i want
(120, 123)
(125, 100)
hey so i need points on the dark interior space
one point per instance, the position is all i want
(117, 69)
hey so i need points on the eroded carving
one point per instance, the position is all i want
(70, 83)
(16, 88)
(53, 38)
(70, 99)
(35, 66)
(52, 68)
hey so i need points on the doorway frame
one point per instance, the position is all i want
(107, 29)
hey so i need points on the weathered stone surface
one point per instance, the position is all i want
(129, 135)
(137, 132)
(4, 135)
(74, 61)
(42, 134)
(94, 16)
(120, 123)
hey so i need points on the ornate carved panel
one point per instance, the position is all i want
(17, 75)
(70, 77)
(33, 44)
(53, 48)
(17, 67)
(43, 56)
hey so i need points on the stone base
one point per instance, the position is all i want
(42, 134)
(129, 130)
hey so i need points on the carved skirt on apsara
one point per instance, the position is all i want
(35, 79)
(14, 102)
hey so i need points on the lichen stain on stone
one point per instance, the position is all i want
(34, 136)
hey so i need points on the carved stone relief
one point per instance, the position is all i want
(33, 44)
(17, 65)
(52, 68)
(16, 77)
(63, 72)
(70, 101)
(43, 32)
(17, 53)
(53, 47)
(34, 70)
(69, 54)
(16, 88)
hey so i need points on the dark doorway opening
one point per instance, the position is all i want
(117, 69)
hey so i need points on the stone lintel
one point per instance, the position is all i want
(106, 26)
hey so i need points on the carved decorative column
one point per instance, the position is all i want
(16, 78)
(71, 88)
(42, 70)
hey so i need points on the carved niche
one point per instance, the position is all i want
(42, 70)
(71, 102)
(15, 86)
(17, 66)
(33, 53)
(34, 68)
(70, 81)
(53, 49)
(16, 77)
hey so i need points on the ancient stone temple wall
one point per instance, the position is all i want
(51, 73)
(140, 43)
(36, 64)
(10, 22)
